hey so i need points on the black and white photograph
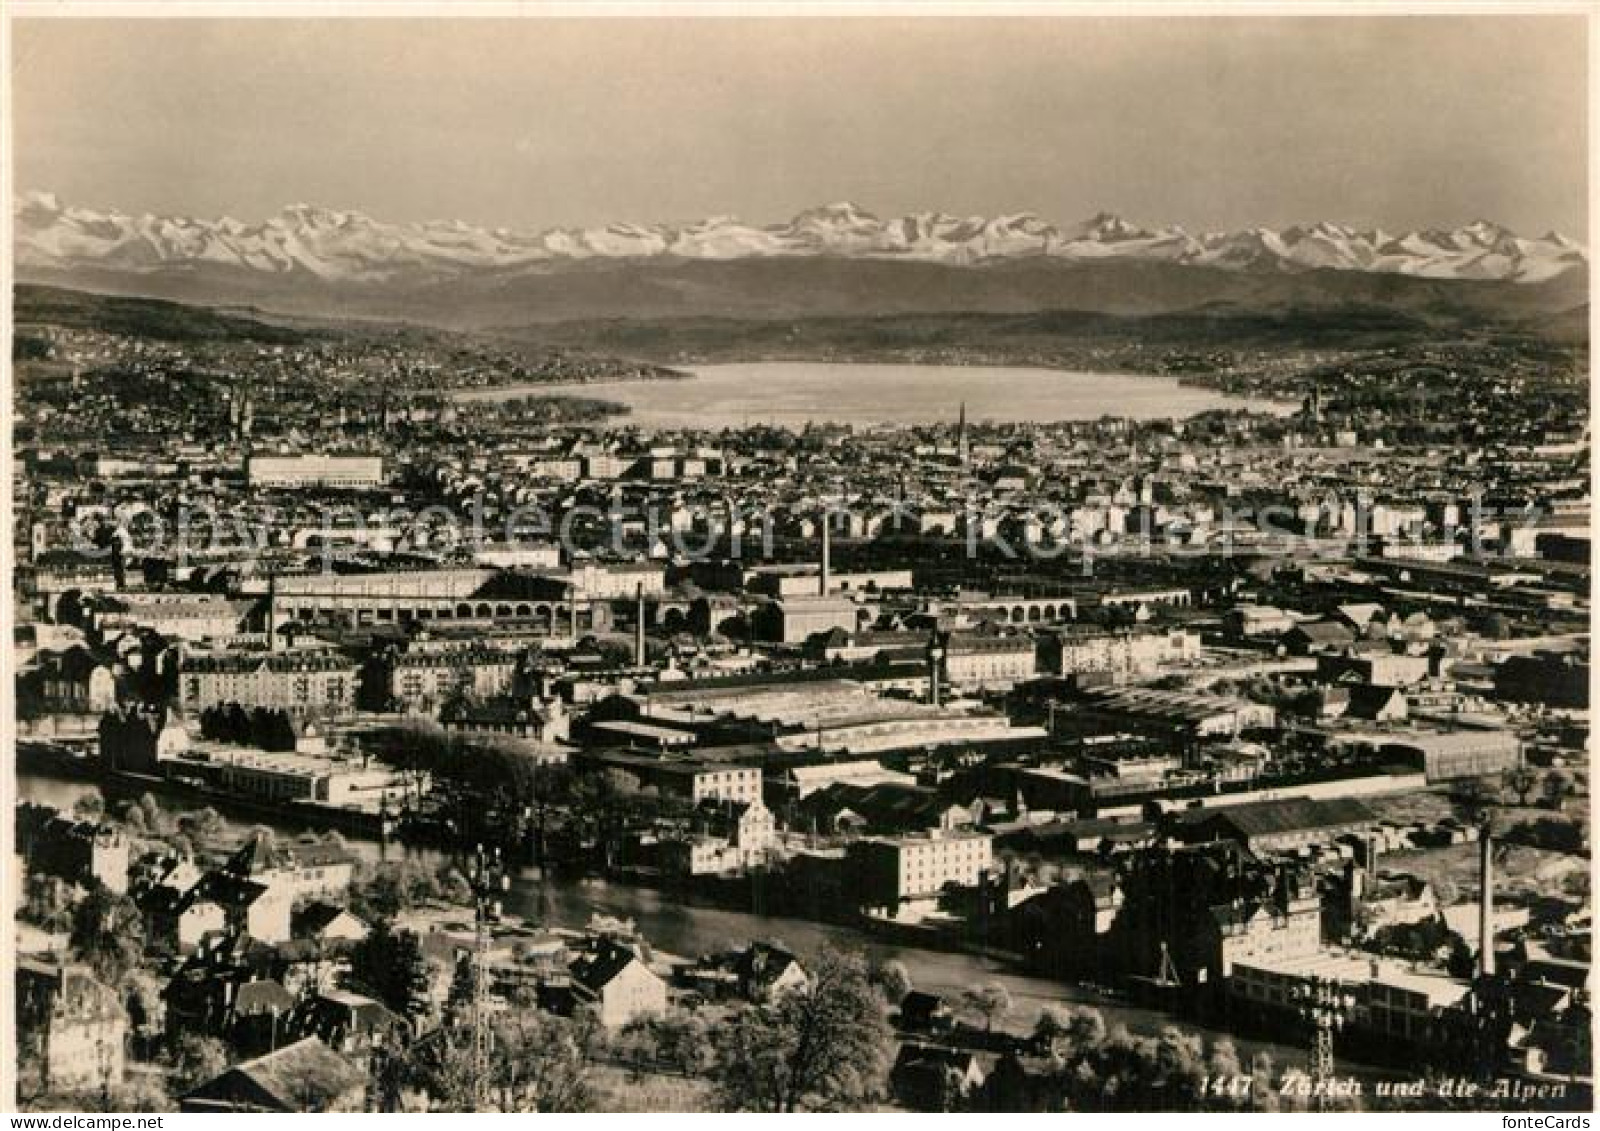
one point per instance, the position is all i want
(838, 558)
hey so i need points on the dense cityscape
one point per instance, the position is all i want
(855, 558)
(1227, 763)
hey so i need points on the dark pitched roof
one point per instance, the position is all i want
(923, 1004)
(762, 963)
(337, 1014)
(1292, 814)
(265, 996)
(314, 918)
(1368, 702)
(222, 888)
(918, 1055)
(597, 969)
(886, 804)
(1323, 632)
(260, 855)
(305, 1076)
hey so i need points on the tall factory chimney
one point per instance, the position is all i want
(937, 646)
(827, 549)
(638, 629)
(1485, 900)
(272, 612)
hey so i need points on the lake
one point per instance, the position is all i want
(794, 393)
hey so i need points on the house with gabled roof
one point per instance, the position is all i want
(72, 1027)
(306, 1076)
(613, 979)
(1310, 637)
(765, 971)
(936, 1077)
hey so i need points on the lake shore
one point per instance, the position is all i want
(792, 393)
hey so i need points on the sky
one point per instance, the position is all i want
(1393, 122)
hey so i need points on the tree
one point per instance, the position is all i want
(1131, 1073)
(1086, 1028)
(395, 886)
(1223, 1065)
(441, 1066)
(451, 886)
(893, 979)
(1475, 796)
(140, 1093)
(1094, 1071)
(131, 817)
(1557, 785)
(990, 1001)
(678, 1039)
(543, 1061)
(1520, 780)
(197, 1058)
(202, 827)
(1052, 1027)
(824, 1047)
(1554, 834)
(391, 965)
(47, 902)
(1263, 1082)
(952, 1094)
(147, 1012)
(108, 933)
(155, 818)
(89, 807)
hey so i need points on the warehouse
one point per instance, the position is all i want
(1277, 826)
(1447, 755)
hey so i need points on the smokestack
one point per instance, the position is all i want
(1486, 901)
(827, 548)
(272, 612)
(638, 630)
(936, 653)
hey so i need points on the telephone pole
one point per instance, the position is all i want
(1325, 1004)
(489, 882)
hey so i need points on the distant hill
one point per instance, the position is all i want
(825, 287)
(140, 317)
(1000, 335)
(1217, 326)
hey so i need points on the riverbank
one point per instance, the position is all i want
(36, 760)
(692, 927)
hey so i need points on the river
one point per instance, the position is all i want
(693, 930)
(795, 393)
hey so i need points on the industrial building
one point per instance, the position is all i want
(316, 471)
(1447, 755)
(890, 872)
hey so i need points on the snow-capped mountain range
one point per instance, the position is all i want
(349, 247)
